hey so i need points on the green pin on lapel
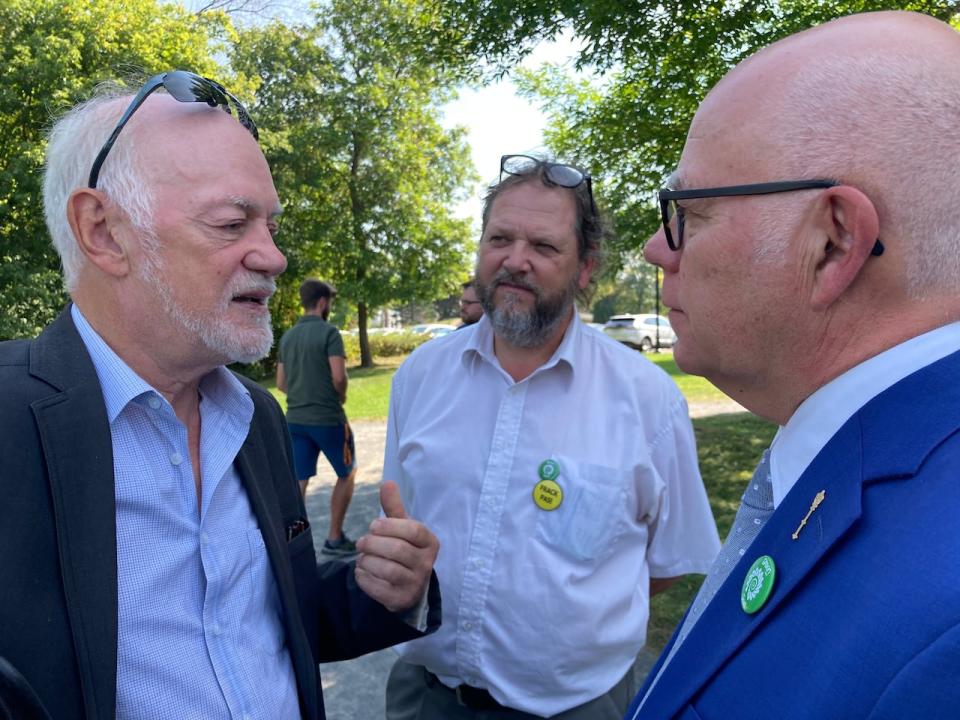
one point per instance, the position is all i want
(758, 584)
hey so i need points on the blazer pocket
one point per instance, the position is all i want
(300, 543)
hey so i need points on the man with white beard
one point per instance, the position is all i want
(558, 469)
(157, 555)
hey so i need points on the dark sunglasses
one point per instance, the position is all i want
(670, 209)
(185, 87)
(559, 174)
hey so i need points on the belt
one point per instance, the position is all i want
(468, 696)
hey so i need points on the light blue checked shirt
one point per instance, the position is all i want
(200, 632)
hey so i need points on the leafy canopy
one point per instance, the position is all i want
(53, 53)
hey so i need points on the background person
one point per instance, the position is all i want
(471, 310)
(156, 553)
(312, 371)
(558, 468)
(844, 605)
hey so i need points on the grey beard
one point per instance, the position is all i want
(526, 328)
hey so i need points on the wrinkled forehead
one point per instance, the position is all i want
(174, 136)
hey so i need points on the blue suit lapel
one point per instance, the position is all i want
(887, 439)
(724, 627)
(75, 437)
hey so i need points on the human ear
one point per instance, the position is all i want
(585, 273)
(848, 226)
(90, 219)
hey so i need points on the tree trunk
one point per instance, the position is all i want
(366, 357)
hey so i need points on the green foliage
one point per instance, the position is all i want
(386, 345)
(629, 290)
(348, 109)
(655, 61)
(53, 52)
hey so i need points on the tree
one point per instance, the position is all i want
(348, 109)
(653, 61)
(630, 290)
(53, 52)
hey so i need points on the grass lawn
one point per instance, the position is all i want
(368, 395)
(729, 447)
(694, 388)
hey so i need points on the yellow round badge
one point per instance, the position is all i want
(548, 495)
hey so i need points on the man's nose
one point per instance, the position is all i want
(657, 252)
(518, 257)
(265, 257)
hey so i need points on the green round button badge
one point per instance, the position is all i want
(758, 584)
(549, 470)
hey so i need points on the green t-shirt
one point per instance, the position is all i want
(304, 352)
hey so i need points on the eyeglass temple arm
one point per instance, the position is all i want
(131, 109)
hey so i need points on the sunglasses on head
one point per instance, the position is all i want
(559, 174)
(185, 87)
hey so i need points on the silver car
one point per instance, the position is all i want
(641, 331)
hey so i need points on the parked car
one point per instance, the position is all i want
(640, 331)
(432, 329)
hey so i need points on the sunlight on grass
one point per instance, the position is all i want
(694, 389)
(368, 393)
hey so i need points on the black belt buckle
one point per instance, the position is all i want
(476, 698)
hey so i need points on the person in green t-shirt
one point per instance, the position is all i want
(312, 371)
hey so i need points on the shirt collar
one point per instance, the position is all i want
(822, 414)
(121, 385)
(479, 347)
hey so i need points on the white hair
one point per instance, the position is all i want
(886, 122)
(72, 146)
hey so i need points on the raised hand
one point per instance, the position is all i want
(397, 555)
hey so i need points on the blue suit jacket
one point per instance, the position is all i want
(58, 559)
(864, 617)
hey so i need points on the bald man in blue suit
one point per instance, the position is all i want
(811, 257)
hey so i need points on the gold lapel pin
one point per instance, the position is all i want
(818, 498)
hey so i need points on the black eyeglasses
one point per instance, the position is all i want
(559, 174)
(185, 87)
(669, 208)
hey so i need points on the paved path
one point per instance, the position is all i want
(354, 690)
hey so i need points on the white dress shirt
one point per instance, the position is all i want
(199, 629)
(822, 414)
(545, 609)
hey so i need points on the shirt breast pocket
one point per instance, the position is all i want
(592, 513)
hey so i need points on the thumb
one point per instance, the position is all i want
(391, 501)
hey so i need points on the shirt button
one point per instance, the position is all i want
(204, 540)
(468, 626)
(153, 401)
(176, 459)
(478, 563)
(216, 628)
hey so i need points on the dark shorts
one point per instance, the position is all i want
(334, 441)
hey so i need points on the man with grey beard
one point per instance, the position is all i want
(157, 555)
(557, 467)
